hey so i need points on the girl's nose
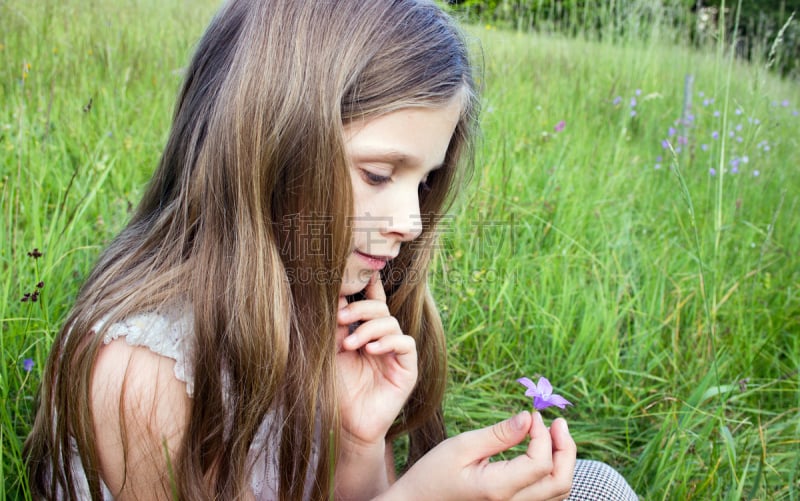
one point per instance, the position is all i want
(404, 218)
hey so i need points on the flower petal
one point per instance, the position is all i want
(540, 403)
(558, 401)
(544, 387)
(526, 382)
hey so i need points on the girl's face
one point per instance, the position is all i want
(390, 158)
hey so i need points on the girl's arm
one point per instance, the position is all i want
(134, 394)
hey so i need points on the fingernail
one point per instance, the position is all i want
(538, 417)
(518, 421)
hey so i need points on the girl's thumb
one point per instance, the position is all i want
(503, 435)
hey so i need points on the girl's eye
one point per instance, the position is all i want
(375, 179)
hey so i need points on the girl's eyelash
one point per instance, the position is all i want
(375, 179)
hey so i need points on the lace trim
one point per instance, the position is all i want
(165, 335)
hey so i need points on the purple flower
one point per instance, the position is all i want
(704, 147)
(671, 132)
(542, 393)
(665, 144)
(738, 111)
(560, 126)
(756, 173)
(715, 135)
(633, 102)
(683, 140)
(785, 103)
(633, 113)
(639, 93)
(27, 364)
(712, 172)
(617, 100)
(716, 113)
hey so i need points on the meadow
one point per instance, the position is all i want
(630, 232)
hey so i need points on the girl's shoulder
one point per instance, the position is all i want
(166, 334)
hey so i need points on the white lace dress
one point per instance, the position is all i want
(172, 336)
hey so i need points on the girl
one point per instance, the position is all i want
(262, 327)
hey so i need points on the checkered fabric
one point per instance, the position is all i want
(596, 481)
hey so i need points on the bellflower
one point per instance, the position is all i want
(542, 393)
(27, 364)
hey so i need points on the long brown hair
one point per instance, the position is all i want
(254, 154)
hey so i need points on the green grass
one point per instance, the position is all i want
(665, 303)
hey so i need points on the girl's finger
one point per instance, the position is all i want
(363, 310)
(533, 466)
(372, 331)
(564, 450)
(374, 288)
(398, 344)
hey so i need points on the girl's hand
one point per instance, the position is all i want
(459, 468)
(377, 368)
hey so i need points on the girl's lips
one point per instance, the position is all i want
(376, 263)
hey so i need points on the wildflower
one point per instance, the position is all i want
(560, 126)
(716, 113)
(665, 144)
(712, 172)
(27, 364)
(756, 173)
(35, 254)
(785, 103)
(639, 93)
(542, 393)
(704, 147)
(683, 140)
(633, 113)
(617, 100)
(633, 102)
(671, 132)
(715, 135)
(738, 127)
(738, 111)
